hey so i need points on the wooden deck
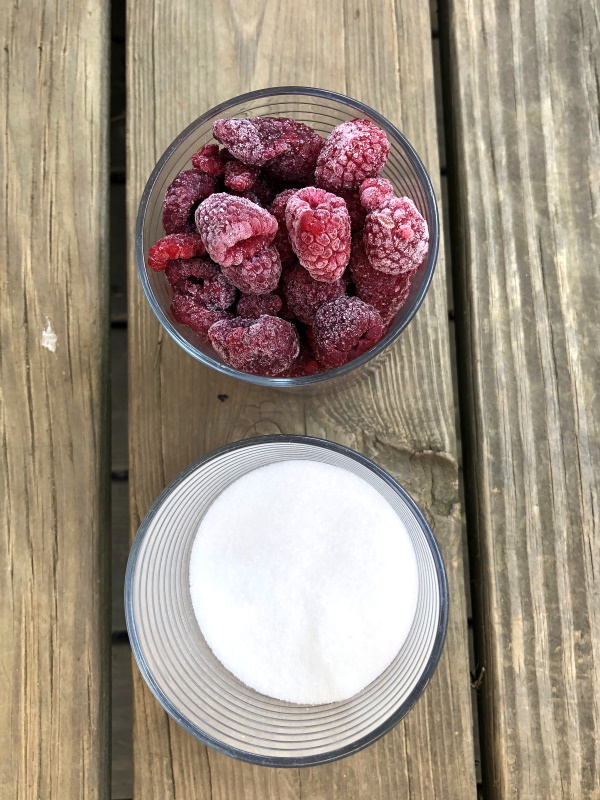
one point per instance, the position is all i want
(496, 379)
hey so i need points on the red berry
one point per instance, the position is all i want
(396, 237)
(176, 245)
(252, 306)
(374, 192)
(238, 176)
(353, 151)
(344, 329)
(305, 295)
(282, 238)
(264, 346)
(181, 198)
(258, 274)
(386, 293)
(233, 229)
(192, 312)
(319, 227)
(203, 280)
(357, 213)
(305, 364)
(208, 159)
(299, 162)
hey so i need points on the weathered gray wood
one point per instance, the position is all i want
(118, 369)
(524, 96)
(54, 623)
(402, 416)
(120, 550)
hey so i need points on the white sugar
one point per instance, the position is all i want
(303, 581)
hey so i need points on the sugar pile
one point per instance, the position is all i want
(303, 581)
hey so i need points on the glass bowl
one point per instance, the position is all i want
(322, 110)
(197, 690)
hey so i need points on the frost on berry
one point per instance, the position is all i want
(258, 274)
(396, 237)
(203, 280)
(353, 151)
(282, 238)
(208, 159)
(318, 224)
(181, 198)
(233, 229)
(305, 295)
(190, 311)
(386, 293)
(298, 163)
(374, 192)
(264, 346)
(344, 329)
(252, 306)
(238, 176)
(176, 245)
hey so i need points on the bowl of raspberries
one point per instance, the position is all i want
(287, 237)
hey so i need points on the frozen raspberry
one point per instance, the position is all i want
(263, 346)
(202, 280)
(258, 274)
(208, 159)
(233, 229)
(282, 238)
(305, 295)
(358, 214)
(344, 329)
(299, 161)
(238, 176)
(353, 151)
(319, 227)
(396, 237)
(386, 293)
(265, 188)
(305, 364)
(181, 199)
(176, 245)
(374, 192)
(192, 312)
(252, 306)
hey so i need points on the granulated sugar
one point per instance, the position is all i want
(303, 581)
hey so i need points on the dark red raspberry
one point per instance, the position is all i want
(353, 151)
(238, 176)
(319, 227)
(396, 237)
(192, 312)
(176, 245)
(265, 188)
(305, 295)
(299, 162)
(264, 346)
(233, 229)
(358, 214)
(282, 238)
(252, 306)
(386, 293)
(181, 199)
(344, 329)
(203, 280)
(258, 274)
(374, 192)
(208, 159)
(305, 364)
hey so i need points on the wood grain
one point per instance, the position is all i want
(54, 623)
(401, 415)
(524, 96)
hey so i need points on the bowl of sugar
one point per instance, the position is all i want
(286, 600)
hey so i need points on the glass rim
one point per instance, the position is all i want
(398, 714)
(395, 330)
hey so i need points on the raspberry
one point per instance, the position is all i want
(353, 151)
(258, 274)
(386, 293)
(238, 176)
(181, 199)
(396, 237)
(282, 238)
(252, 306)
(191, 312)
(265, 188)
(208, 159)
(305, 295)
(299, 162)
(357, 213)
(263, 346)
(233, 229)
(202, 280)
(176, 245)
(374, 192)
(304, 365)
(319, 227)
(344, 329)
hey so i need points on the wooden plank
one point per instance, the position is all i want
(121, 740)
(54, 716)
(524, 96)
(401, 416)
